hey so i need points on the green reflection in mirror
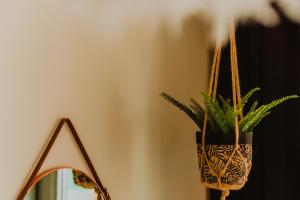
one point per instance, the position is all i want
(64, 184)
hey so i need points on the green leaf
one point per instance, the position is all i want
(221, 114)
(253, 106)
(197, 108)
(259, 120)
(246, 98)
(263, 110)
(216, 115)
(185, 109)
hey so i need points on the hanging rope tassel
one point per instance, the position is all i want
(225, 193)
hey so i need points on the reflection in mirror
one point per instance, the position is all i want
(64, 184)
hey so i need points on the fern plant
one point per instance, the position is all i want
(221, 113)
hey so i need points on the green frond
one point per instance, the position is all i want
(200, 116)
(225, 103)
(259, 120)
(264, 110)
(210, 120)
(185, 109)
(249, 117)
(229, 112)
(197, 104)
(249, 94)
(253, 106)
(229, 116)
(198, 109)
(245, 98)
(221, 114)
(216, 115)
(222, 99)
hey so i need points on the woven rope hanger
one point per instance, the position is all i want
(84, 153)
(236, 97)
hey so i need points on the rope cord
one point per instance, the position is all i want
(236, 98)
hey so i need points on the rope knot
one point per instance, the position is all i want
(225, 193)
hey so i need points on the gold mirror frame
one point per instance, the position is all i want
(76, 177)
(34, 177)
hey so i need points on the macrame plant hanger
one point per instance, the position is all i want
(236, 98)
(85, 155)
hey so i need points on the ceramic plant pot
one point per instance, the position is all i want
(222, 164)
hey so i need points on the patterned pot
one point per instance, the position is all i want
(224, 166)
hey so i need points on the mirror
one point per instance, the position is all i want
(63, 184)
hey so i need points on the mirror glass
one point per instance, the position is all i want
(64, 184)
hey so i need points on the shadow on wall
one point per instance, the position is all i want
(154, 144)
(183, 74)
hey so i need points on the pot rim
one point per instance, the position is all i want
(224, 139)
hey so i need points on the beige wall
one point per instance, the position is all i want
(54, 64)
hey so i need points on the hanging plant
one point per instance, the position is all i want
(225, 127)
(221, 113)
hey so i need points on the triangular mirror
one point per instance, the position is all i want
(53, 181)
